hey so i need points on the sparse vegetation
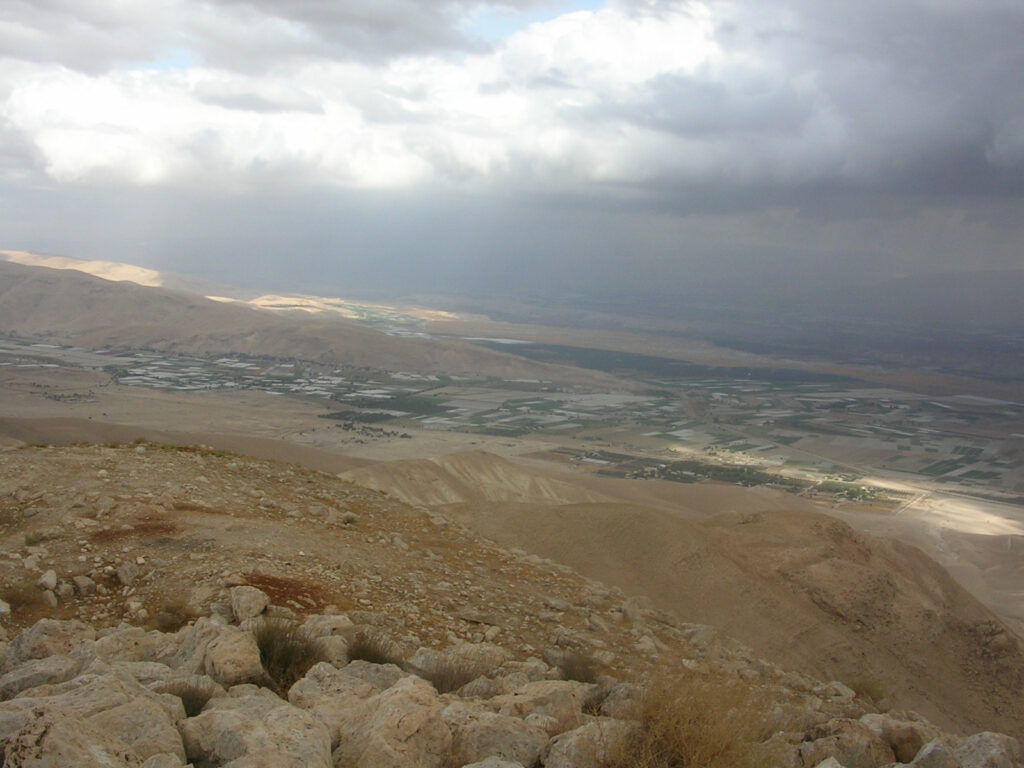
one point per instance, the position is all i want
(450, 675)
(172, 615)
(373, 648)
(696, 722)
(22, 594)
(579, 667)
(286, 652)
(869, 687)
(33, 537)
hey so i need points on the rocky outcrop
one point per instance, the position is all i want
(125, 697)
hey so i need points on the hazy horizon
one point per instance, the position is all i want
(732, 150)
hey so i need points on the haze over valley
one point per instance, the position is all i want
(537, 383)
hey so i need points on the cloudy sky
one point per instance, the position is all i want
(526, 145)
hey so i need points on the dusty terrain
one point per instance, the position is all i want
(66, 306)
(800, 588)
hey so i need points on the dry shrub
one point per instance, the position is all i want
(450, 675)
(286, 652)
(22, 594)
(374, 648)
(579, 667)
(172, 615)
(869, 687)
(697, 722)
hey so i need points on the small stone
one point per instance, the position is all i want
(48, 580)
(84, 585)
(50, 598)
(128, 573)
(248, 602)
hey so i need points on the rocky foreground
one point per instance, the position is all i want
(166, 608)
(210, 694)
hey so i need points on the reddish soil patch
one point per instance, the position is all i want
(142, 529)
(295, 593)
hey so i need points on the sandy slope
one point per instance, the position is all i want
(797, 586)
(475, 475)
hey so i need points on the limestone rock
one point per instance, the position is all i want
(144, 726)
(405, 730)
(989, 750)
(478, 734)
(560, 700)
(48, 580)
(129, 644)
(592, 745)
(336, 699)
(84, 585)
(904, 737)
(48, 637)
(937, 753)
(493, 762)
(248, 602)
(255, 730)
(227, 654)
(31, 674)
(128, 573)
(851, 742)
(163, 761)
(54, 739)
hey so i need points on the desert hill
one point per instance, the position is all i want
(69, 307)
(468, 476)
(117, 271)
(426, 645)
(250, 613)
(793, 584)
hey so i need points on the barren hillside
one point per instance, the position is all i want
(418, 643)
(68, 307)
(795, 585)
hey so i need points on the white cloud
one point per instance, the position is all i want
(364, 95)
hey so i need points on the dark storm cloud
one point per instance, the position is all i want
(593, 151)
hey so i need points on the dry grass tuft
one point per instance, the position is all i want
(22, 594)
(695, 722)
(172, 615)
(374, 648)
(579, 667)
(286, 652)
(450, 675)
(869, 687)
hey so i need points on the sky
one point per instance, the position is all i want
(538, 147)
